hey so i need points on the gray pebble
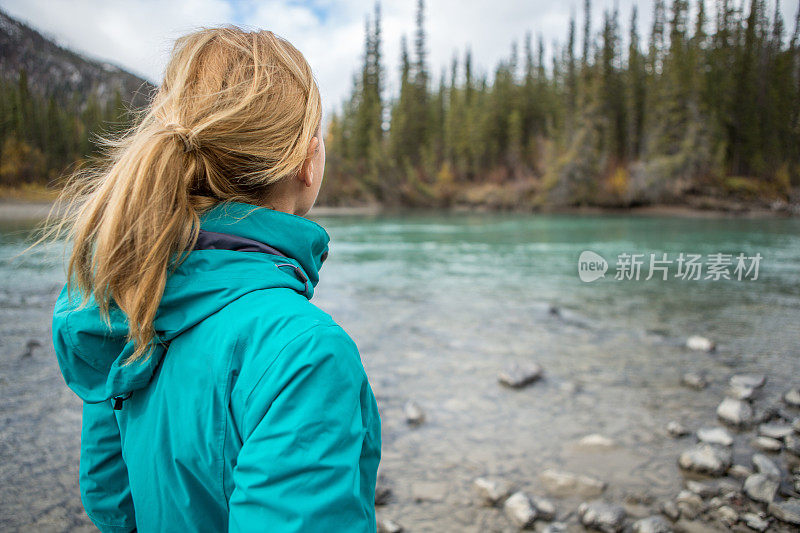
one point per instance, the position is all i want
(670, 510)
(517, 375)
(555, 527)
(706, 459)
(694, 380)
(753, 521)
(752, 381)
(689, 504)
(676, 429)
(717, 435)
(792, 397)
(652, 524)
(545, 509)
(761, 488)
(491, 491)
(700, 344)
(764, 465)
(793, 445)
(702, 489)
(602, 516)
(520, 510)
(738, 392)
(559, 483)
(413, 413)
(775, 430)
(766, 444)
(387, 526)
(726, 515)
(735, 412)
(787, 511)
(739, 471)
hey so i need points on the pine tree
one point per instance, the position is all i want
(636, 89)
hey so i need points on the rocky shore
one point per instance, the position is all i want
(741, 471)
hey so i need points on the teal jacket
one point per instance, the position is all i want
(253, 413)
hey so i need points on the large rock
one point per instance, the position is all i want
(719, 436)
(788, 511)
(652, 524)
(560, 483)
(491, 491)
(761, 488)
(706, 459)
(735, 412)
(517, 375)
(602, 516)
(520, 510)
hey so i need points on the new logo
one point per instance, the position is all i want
(591, 266)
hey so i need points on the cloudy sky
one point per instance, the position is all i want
(137, 34)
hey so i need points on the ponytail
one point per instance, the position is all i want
(235, 114)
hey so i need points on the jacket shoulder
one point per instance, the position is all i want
(273, 324)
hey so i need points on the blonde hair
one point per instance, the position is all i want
(235, 114)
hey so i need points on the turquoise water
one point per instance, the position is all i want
(499, 265)
(439, 303)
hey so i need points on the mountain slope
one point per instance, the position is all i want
(55, 71)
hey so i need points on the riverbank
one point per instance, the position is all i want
(25, 208)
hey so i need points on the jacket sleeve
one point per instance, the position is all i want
(105, 491)
(311, 441)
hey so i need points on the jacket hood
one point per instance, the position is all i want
(91, 352)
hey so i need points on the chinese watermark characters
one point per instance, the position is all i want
(663, 266)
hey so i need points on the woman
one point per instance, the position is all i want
(216, 396)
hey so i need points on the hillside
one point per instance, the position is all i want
(63, 74)
(52, 103)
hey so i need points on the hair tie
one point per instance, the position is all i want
(186, 135)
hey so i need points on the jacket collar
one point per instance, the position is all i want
(299, 238)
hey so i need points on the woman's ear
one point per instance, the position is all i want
(307, 172)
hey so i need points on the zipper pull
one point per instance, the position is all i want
(118, 401)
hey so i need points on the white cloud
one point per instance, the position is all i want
(137, 34)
